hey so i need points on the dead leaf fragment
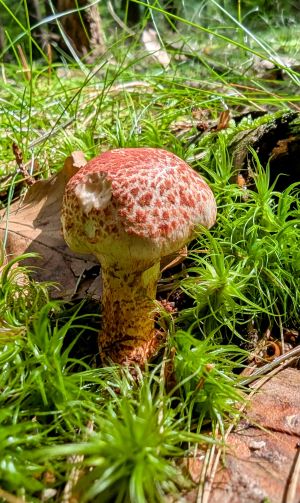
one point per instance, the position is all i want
(22, 167)
(33, 225)
(260, 453)
(153, 46)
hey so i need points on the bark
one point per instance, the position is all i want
(83, 28)
(258, 461)
(276, 142)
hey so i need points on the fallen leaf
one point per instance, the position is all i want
(153, 46)
(33, 225)
(260, 453)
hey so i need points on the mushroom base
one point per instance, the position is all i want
(128, 334)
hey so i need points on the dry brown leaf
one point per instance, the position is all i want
(153, 46)
(33, 225)
(259, 464)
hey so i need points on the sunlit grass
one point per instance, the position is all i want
(129, 429)
(250, 271)
(52, 112)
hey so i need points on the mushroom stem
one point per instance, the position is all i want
(130, 207)
(128, 333)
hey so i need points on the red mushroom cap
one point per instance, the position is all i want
(144, 203)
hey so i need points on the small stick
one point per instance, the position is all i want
(74, 476)
(289, 355)
(290, 495)
(48, 134)
(10, 498)
(19, 160)
(207, 474)
(26, 69)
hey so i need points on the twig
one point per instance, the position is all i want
(10, 498)
(50, 133)
(286, 359)
(290, 495)
(67, 495)
(207, 474)
(29, 180)
(131, 85)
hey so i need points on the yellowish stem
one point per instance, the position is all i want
(128, 334)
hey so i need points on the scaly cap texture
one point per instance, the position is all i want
(141, 202)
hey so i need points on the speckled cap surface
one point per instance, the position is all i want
(140, 202)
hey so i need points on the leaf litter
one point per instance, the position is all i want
(33, 225)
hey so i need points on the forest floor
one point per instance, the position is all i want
(216, 414)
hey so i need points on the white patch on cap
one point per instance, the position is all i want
(94, 192)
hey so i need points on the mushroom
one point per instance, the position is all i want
(130, 207)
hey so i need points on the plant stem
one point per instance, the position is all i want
(128, 334)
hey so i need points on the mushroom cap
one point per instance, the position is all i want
(135, 205)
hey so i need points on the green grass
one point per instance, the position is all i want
(251, 268)
(58, 410)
